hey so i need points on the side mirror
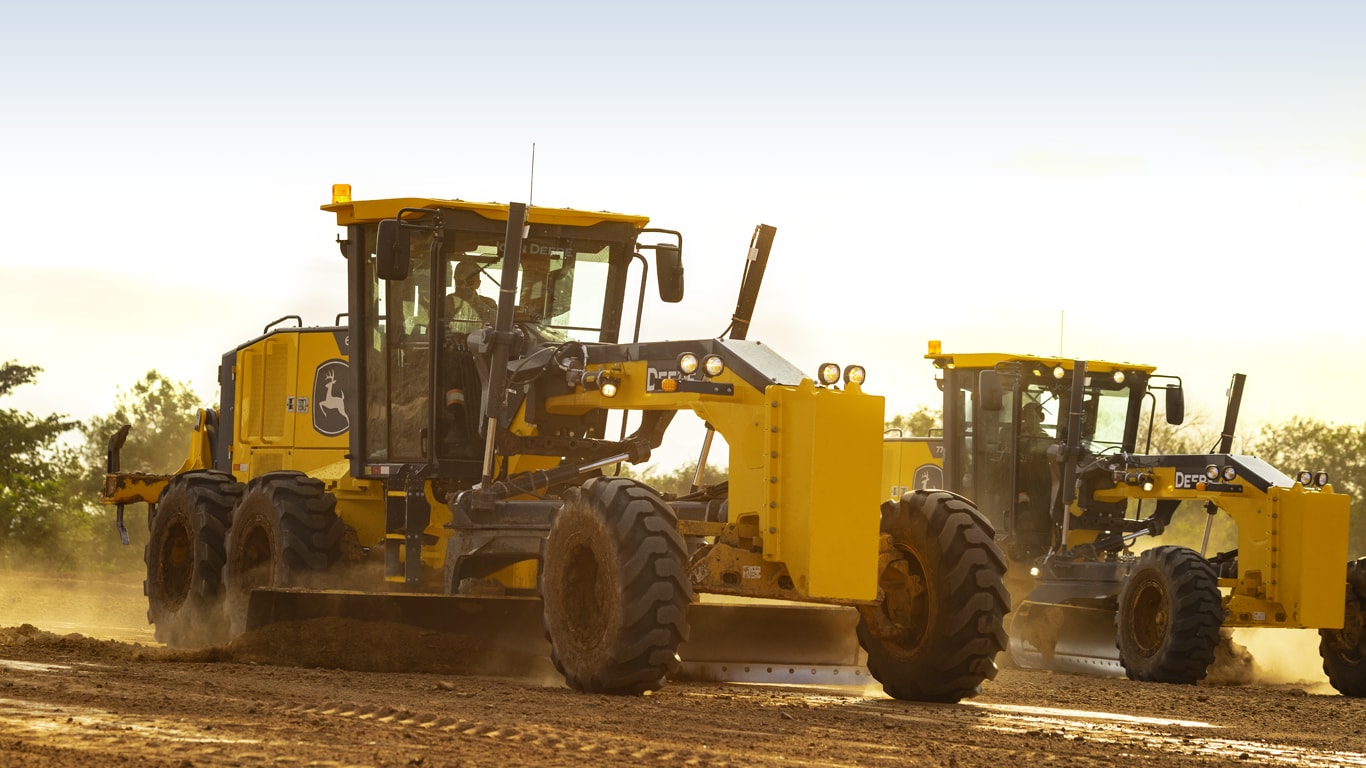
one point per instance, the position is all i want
(1176, 404)
(391, 250)
(669, 262)
(989, 391)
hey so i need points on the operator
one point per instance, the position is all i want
(465, 304)
(1033, 523)
(1031, 421)
(464, 310)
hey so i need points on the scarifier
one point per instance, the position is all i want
(448, 457)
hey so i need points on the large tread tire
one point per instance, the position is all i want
(184, 557)
(1344, 650)
(285, 533)
(1169, 617)
(615, 587)
(940, 625)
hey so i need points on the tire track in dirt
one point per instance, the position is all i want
(536, 736)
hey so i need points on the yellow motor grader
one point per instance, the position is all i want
(449, 456)
(1048, 448)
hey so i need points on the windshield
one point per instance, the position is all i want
(1105, 413)
(561, 288)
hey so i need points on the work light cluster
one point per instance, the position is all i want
(712, 365)
(1304, 477)
(830, 374)
(1312, 479)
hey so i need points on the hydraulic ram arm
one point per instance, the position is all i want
(759, 247)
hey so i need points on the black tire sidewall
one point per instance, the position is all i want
(1343, 662)
(614, 588)
(1189, 590)
(255, 516)
(302, 536)
(174, 518)
(965, 598)
(195, 506)
(584, 626)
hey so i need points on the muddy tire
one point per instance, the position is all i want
(615, 587)
(1169, 617)
(940, 625)
(184, 557)
(1344, 650)
(284, 530)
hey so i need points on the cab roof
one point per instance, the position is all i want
(992, 359)
(365, 211)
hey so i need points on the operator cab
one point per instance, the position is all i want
(1005, 424)
(426, 278)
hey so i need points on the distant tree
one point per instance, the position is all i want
(676, 481)
(1193, 435)
(917, 423)
(36, 472)
(162, 414)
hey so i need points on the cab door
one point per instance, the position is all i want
(392, 350)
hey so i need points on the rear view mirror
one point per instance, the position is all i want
(669, 262)
(1176, 404)
(391, 250)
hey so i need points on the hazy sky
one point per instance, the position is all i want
(1182, 183)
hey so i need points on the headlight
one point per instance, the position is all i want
(1230, 473)
(855, 374)
(1320, 478)
(1119, 377)
(829, 373)
(687, 363)
(1304, 477)
(604, 382)
(1058, 372)
(712, 365)
(1212, 472)
(1141, 479)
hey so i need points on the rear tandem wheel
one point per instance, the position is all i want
(184, 558)
(284, 528)
(615, 588)
(937, 632)
(1344, 650)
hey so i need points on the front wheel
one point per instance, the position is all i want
(184, 558)
(1169, 617)
(615, 588)
(284, 529)
(1344, 650)
(940, 625)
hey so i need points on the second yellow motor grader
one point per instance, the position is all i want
(1049, 449)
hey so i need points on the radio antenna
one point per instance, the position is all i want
(531, 193)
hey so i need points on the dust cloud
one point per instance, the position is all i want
(108, 606)
(104, 607)
(1286, 656)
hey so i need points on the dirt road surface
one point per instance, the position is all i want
(82, 683)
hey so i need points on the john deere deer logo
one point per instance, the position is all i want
(330, 384)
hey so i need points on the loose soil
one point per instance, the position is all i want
(83, 683)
